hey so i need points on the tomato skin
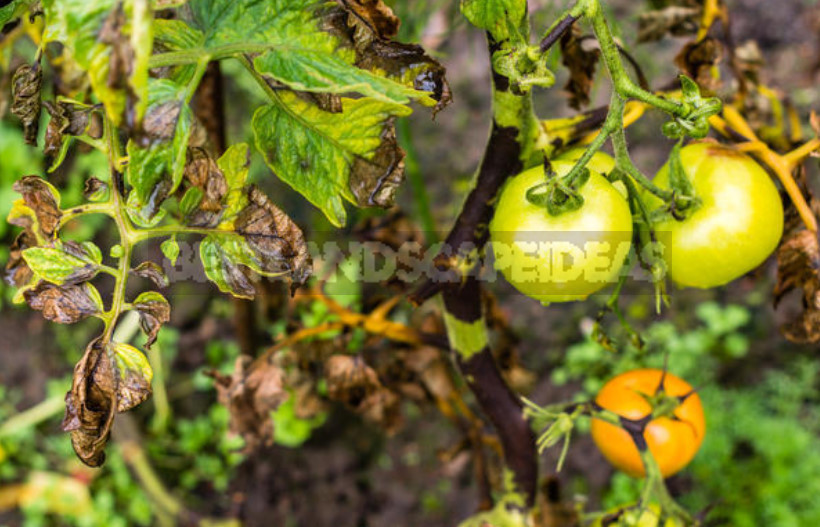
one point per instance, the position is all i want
(601, 161)
(566, 257)
(673, 443)
(737, 227)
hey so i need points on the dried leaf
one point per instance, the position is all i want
(798, 267)
(202, 173)
(64, 304)
(154, 311)
(134, 375)
(382, 407)
(91, 404)
(677, 20)
(350, 380)
(581, 62)
(749, 60)
(95, 190)
(277, 241)
(66, 119)
(250, 397)
(42, 207)
(153, 272)
(25, 91)
(375, 15)
(18, 273)
(374, 181)
(697, 60)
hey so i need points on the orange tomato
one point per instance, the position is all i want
(672, 442)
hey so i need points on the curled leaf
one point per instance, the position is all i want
(203, 174)
(698, 60)
(25, 92)
(64, 304)
(153, 272)
(798, 267)
(250, 397)
(375, 15)
(675, 20)
(91, 404)
(95, 190)
(374, 181)
(66, 119)
(64, 262)
(134, 375)
(154, 311)
(350, 379)
(39, 210)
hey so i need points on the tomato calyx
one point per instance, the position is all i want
(699, 109)
(559, 194)
(683, 200)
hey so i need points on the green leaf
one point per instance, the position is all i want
(496, 16)
(13, 9)
(234, 165)
(135, 374)
(155, 171)
(170, 248)
(142, 42)
(222, 256)
(291, 48)
(190, 200)
(313, 150)
(64, 263)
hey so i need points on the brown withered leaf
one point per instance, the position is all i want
(154, 311)
(375, 15)
(202, 172)
(18, 273)
(152, 271)
(367, 27)
(91, 404)
(349, 379)
(160, 122)
(749, 60)
(697, 60)
(277, 241)
(66, 119)
(677, 20)
(250, 397)
(95, 189)
(382, 407)
(798, 267)
(65, 304)
(374, 182)
(25, 92)
(581, 62)
(39, 197)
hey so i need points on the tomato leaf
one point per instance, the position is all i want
(153, 272)
(154, 311)
(64, 262)
(64, 304)
(500, 17)
(134, 375)
(315, 151)
(25, 92)
(170, 248)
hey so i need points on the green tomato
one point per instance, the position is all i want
(737, 226)
(566, 257)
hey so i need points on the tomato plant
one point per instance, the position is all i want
(673, 439)
(565, 257)
(735, 226)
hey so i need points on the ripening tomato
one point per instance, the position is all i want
(737, 226)
(672, 442)
(565, 257)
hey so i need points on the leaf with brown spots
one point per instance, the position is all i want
(250, 397)
(581, 63)
(66, 119)
(91, 404)
(375, 181)
(154, 311)
(153, 272)
(64, 304)
(25, 92)
(697, 60)
(375, 15)
(38, 210)
(202, 175)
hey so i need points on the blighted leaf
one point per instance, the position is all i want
(677, 20)
(112, 41)
(25, 92)
(134, 375)
(64, 262)
(95, 190)
(374, 182)
(157, 159)
(349, 379)
(798, 267)
(39, 210)
(264, 240)
(154, 311)
(501, 18)
(66, 119)
(581, 61)
(749, 60)
(698, 60)
(153, 272)
(91, 403)
(234, 165)
(368, 27)
(382, 407)
(18, 273)
(314, 151)
(65, 304)
(250, 397)
(203, 175)
(170, 248)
